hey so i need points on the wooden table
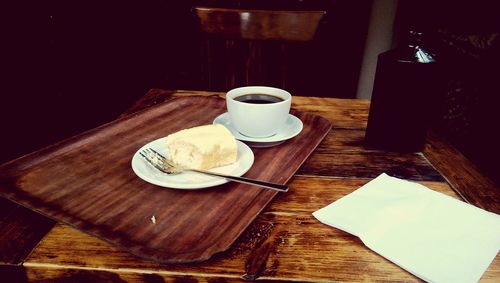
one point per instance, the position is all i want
(285, 242)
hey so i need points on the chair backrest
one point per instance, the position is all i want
(259, 24)
(248, 37)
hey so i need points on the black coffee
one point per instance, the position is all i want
(258, 98)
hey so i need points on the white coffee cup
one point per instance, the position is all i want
(258, 120)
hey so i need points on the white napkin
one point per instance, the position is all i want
(435, 237)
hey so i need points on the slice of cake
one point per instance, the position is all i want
(202, 147)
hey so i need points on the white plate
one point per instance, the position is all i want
(189, 180)
(293, 126)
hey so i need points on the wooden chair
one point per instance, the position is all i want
(249, 47)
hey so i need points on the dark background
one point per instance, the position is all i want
(68, 66)
(72, 65)
(465, 37)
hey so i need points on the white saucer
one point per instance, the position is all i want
(189, 180)
(293, 127)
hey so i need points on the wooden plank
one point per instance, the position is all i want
(462, 174)
(284, 243)
(309, 194)
(342, 154)
(71, 274)
(369, 165)
(87, 182)
(342, 113)
(20, 231)
(66, 247)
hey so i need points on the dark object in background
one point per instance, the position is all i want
(255, 45)
(402, 100)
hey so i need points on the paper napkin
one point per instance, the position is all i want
(433, 236)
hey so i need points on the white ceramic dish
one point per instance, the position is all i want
(258, 119)
(293, 126)
(189, 180)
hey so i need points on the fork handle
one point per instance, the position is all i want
(263, 184)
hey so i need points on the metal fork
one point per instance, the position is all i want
(166, 166)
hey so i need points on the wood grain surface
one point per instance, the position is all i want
(464, 177)
(259, 24)
(20, 231)
(87, 182)
(284, 243)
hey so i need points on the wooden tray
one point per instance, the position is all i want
(87, 182)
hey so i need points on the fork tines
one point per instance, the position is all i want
(164, 160)
(154, 158)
